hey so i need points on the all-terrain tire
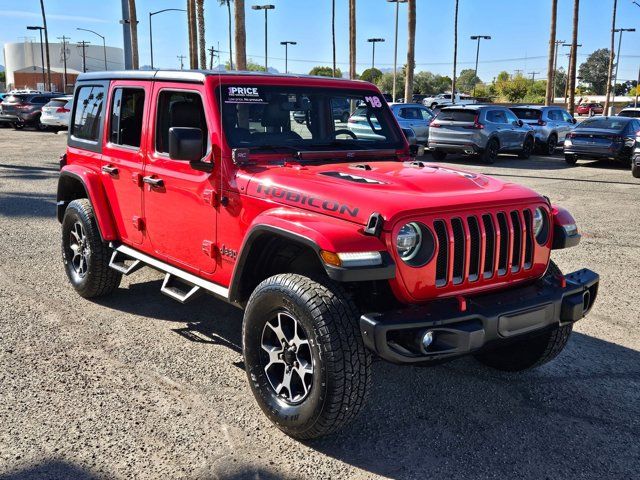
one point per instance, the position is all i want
(439, 155)
(93, 277)
(530, 352)
(341, 372)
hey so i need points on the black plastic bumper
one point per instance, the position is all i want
(396, 336)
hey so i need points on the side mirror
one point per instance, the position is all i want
(574, 121)
(519, 122)
(187, 144)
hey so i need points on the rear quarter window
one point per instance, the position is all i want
(88, 113)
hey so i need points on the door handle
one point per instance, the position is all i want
(113, 171)
(154, 182)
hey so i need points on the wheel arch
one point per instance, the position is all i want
(76, 183)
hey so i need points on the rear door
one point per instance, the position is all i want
(123, 156)
(499, 124)
(518, 132)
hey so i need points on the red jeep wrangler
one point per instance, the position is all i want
(335, 241)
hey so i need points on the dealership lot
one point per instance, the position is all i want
(137, 385)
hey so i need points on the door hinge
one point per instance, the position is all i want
(138, 223)
(210, 197)
(137, 179)
(209, 248)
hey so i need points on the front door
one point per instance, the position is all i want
(518, 132)
(123, 158)
(179, 214)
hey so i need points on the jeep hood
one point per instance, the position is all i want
(354, 191)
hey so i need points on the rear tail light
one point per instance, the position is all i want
(570, 135)
(62, 110)
(435, 125)
(542, 123)
(23, 107)
(476, 124)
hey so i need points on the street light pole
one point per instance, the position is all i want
(266, 9)
(286, 44)
(373, 42)
(475, 72)
(44, 77)
(104, 45)
(615, 76)
(395, 48)
(570, 54)
(151, 14)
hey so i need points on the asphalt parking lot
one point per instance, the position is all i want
(139, 386)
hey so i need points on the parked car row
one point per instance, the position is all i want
(42, 111)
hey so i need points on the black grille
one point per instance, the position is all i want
(474, 248)
(458, 250)
(490, 246)
(528, 241)
(443, 247)
(503, 255)
(517, 241)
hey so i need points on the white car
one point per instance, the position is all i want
(630, 112)
(57, 113)
(444, 99)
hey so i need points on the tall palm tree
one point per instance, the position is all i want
(240, 35)
(611, 58)
(47, 87)
(333, 33)
(574, 51)
(228, 4)
(455, 54)
(193, 35)
(552, 46)
(411, 51)
(202, 47)
(133, 18)
(352, 39)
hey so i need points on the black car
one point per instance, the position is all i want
(24, 109)
(611, 138)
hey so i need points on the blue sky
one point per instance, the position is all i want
(519, 29)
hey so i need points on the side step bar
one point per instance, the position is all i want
(174, 279)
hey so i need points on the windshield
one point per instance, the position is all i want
(280, 117)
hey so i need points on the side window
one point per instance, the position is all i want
(178, 109)
(566, 116)
(426, 115)
(409, 113)
(126, 117)
(87, 113)
(510, 117)
(496, 116)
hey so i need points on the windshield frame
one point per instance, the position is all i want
(330, 145)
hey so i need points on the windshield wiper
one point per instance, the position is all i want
(273, 148)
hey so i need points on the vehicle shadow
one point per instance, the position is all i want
(52, 470)
(23, 204)
(578, 416)
(24, 172)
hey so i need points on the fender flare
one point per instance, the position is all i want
(290, 224)
(92, 184)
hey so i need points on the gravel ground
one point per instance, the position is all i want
(139, 386)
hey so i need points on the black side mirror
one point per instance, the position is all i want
(574, 121)
(519, 122)
(187, 144)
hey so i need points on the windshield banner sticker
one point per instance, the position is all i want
(244, 95)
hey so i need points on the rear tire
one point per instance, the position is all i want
(571, 159)
(635, 171)
(530, 352)
(527, 148)
(490, 152)
(439, 155)
(86, 257)
(550, 147)
(305, 359)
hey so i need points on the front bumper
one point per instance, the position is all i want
(487, 319)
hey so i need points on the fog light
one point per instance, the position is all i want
(427, 339)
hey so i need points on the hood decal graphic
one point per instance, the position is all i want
(309, 200)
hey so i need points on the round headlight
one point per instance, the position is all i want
(538, 221)
(408, 241)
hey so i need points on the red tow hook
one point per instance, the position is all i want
(563, 281)
(462, 303)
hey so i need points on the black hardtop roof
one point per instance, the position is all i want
(192, 76)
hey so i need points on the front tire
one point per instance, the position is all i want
(86, 257)
(530, 352)
(571, 159)
(305, 360)
(490, 152)
(635, 171)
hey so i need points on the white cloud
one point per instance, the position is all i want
(50, 16)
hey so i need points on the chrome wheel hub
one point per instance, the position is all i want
(80, 250)
(287, 358)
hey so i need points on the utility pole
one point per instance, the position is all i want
(475, 71)
(44, 78)
(553, 45)
(574, 56)
(181, 58)
(373, 42)
(84, 44)
(126, 35)
(569, 56)
(555, 67)
(533, 76)
(517, 71)
(64, 61)
(395, 49)
(46, 42)
(455, 53)
(611, 58)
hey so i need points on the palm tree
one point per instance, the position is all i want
(333, 33)
(455, 54)
(573, 61)
(228, 4)
(611, 58)
(193, 35)
(133, 19)
(240, 35)
(352, 39)
(201, 40)
(411, 51)
(552, 45)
